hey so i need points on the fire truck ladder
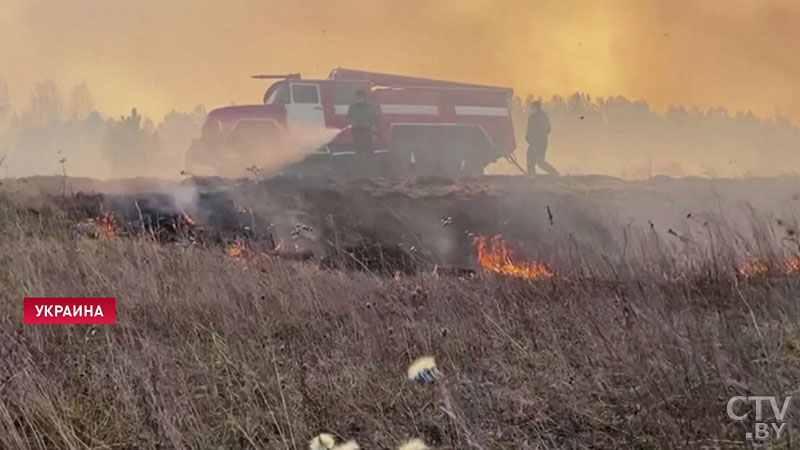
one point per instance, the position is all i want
(389, 80)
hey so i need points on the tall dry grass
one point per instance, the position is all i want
(211, 353)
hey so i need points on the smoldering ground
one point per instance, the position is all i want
(433, 222)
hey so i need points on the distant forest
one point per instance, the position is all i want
(622, 137)
(56, 133)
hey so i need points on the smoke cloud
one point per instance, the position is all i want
(159, 55)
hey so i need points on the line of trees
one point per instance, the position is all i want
(614, 136)
(54, 130)
(624, 137)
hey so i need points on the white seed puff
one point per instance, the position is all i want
(423, 370)
(322, 442)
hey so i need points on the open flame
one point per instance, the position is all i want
(108, 225)
(497, 257)
(239, 250)
(236, 250)
(187, 219)
(758, 267)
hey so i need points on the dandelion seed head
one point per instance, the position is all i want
(423, 370)
(414, 444)
(349, 445)
(322, 442)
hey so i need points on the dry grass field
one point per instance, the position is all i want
(637, 340)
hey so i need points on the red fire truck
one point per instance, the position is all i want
(426, 127)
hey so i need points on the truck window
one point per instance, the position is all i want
(305, 93)
(277, 94)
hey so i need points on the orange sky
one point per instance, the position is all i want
(164, 54)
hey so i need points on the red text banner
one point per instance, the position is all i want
(55, 310)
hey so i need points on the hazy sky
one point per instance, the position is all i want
(164, 54)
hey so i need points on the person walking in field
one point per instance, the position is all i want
(537, 134)
(363, 119)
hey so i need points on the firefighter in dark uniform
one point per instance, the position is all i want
(536, 135)
(363, 119)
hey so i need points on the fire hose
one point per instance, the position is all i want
(509, 157)
(513, 160)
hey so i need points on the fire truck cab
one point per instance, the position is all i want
(426, 127)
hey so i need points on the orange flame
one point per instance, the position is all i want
(108, 225)
(499, 258)
(758, 267)
(236, 250)
(187, 219)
